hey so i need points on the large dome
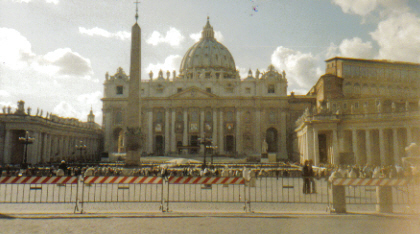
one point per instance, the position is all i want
(208, 57)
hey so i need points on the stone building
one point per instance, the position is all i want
(206, 99)
(367, 112)
(54, 138)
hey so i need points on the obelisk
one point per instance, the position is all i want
(133, 121)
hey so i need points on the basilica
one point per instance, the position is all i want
(360, 111)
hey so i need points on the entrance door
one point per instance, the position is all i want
(271, 139)
(322, 140)
(159, 144)
(194, 142)
(230, 144)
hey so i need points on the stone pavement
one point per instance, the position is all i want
(210, 223)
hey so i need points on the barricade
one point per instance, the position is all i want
(108, 189)
(35, 189)
(205, 190)
(384, 193)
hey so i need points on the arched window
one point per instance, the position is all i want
(348, 88)
(357, 88)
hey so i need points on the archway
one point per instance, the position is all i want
(159, 145)
(271, 139)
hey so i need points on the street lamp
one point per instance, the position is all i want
(207, 142)
(27, 140)
(81, 147)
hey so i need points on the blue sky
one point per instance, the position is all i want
(54, 53)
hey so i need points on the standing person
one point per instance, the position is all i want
(305, 175)
(311, 176)
(63, 166)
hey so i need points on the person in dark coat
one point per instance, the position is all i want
(306, 179)
(311, 176)
(63, 166)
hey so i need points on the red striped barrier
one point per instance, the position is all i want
(206, 180)
(38, 180)
(370, 182)
(122, 180)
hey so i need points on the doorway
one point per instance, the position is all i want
(230, 144)
(159, 145)
(271, 139)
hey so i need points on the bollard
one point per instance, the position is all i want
(339, 199)
(384, 199)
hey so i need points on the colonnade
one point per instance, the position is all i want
(368, 145)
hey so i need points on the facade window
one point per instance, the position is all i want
(208, 90)
(208, 116)
(120, 90)
(229, 116)
(207, 75)
(179, 116)
(194, 116)
(271, 89)
(247, 90)
(229, 90)
(159, 117)
(356, 105)
(179, 90)
(345, 106)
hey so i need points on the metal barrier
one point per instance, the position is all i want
(269, 188)
(382, 192)
(34, 189)
(121, 189)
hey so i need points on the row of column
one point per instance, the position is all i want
(375, 146)
(218, 130)
(46, 147)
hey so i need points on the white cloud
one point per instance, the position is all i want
(15, 50)
(171, 63)
(66, 109)
(354, 48)
(4, 93)
(173, 37)
(16, 53)
(398, 38)
(217, 34)
(121, 35)
(366, 7)
(301, 68)
(359, 7)
(90, 98)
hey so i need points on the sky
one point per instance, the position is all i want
(54, 54)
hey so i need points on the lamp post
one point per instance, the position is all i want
(81, 147)
(27, 140)
(207, 142)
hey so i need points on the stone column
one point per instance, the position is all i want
(382, 147)
(409, 136)
(258, 139)
(7, 147)
(336, 154)
(221, 133)
(369, 156)
(354, 145)
(167, 135)
(310, 142)
(150, 133)
(108, 132)
(238, 144)
(173, 139)
(283, 136)
(316, 147)
(185, 134)
(214, 129)
(202, 129)
(396, 146)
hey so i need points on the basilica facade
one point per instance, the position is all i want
(207, 99)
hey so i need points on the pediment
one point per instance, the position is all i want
(193, 92)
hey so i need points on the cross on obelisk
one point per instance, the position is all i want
(137, 10)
